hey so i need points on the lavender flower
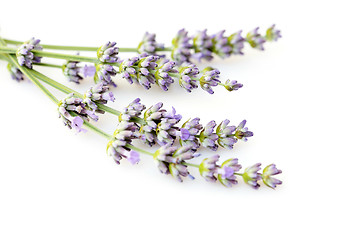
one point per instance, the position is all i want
(105, 72)
(209, 79)
(24, 54)
(107, 53)
(170, 159)
(98, 94)
(152, 117)
(72, 71)
(226, 134)
(189, 131)
(221, 45)
(134, 157)
(134, 109)
(272, 34)
(232, 85)
(226, 172)
(163, 73)
(167, 129)
(207, 136)
(71, 106)
(181, 51)
(251, 175)
(139, 69)
(89, 70)
(15, 73)
(268, 172)
(203, 45)
(149, 44)
(187, 76)
(208, 168)
(255, 39)
(236, 42)
(242, 132)
(118, 147)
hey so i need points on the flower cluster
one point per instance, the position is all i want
(98, 94)
(73, 112)
(119, 145)
(108, 55)
(74, 73)
(226, 173)
(203, 46)
(15, 73)
(159, 126)
(149, 44)
(24, 54)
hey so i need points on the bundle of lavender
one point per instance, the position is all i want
(154, 126)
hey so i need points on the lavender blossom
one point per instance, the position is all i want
(118, 147)
(24, 54)
(139, 69)
(226, 134)
(163, 73)
(149, 44)
(188, 76)
(207, 136)
(268, 172)
(236, 42)
(255, 39)
(208, 168)
(104, 74)
(181, 51)
(71, 106)
(72, 71)
(232, 85)
(170, 159)
(272, 34)
(226, 172)
(167, 130)
(15, 73)
(107, 53)
(251, 175)
(88, 70)
(242, 132)
(209, 79)
(134, 157)
(203, 45)
(134, 109)
(222, 46)
(98, 94)
(152, 117)
(189, 131)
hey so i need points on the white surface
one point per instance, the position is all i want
(300, 97)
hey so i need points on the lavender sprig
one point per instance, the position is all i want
(149, 45)
(24, 54)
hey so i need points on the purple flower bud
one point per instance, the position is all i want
(226, 134)
(237, 42)
(209, 78)
(149, 44)
(255, 39)
(192, 128)
(15, 73)
(181, 51)
(232, 85)
(107, 53)
(163, 71)
(203, 45)
(272, 34)
(207, 136)
(226, 172)
(118, 147)
(98, 94)
(171, 160)
(134, 109)
(72, 71)
(251, 175)
(70, 106)
(222, 46)
(208, 168)
(24, 55)
(188, 76)
(268, 172)
(104, 74)
(242, 132)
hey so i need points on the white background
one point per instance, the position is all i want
(300, 97)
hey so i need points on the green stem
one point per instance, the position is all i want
(239, 174)
(65, 56)
(97, 130)
(139, 150)
(7, 50)
(79, 48)
(108, 109)
(48, 65)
